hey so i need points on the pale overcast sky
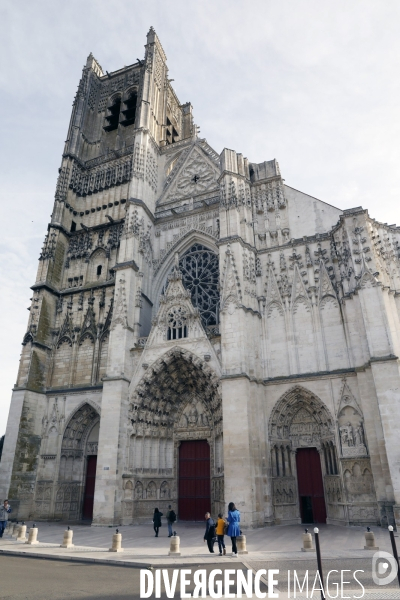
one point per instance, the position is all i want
(314, 84)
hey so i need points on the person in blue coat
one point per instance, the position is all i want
(233, 525)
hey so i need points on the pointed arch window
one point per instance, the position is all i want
(130, 110)
(113, 115)
(200, 275)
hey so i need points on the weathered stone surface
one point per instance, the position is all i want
(185, 295)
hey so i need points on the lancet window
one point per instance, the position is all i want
(113, 115)
(130, 110)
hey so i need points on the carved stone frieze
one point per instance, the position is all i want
(284, 490)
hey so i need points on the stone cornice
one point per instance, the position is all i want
(74, 390)
(375, 359)
(71, 234)
(318, 237)
(125, 265)
(75, 290)
(184, 210)
(116, 378)
(138, 202)
(41, 346)
(289, 378)
(250, 310)
(236, 238)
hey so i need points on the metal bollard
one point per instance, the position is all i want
(116, 542)
(174, 545)
(319, 561)
(67, 541)
(32, 538)
(394, 549)
(22, 533)
(370, 540)
(15, 530)
(307, 542)
(241, 544)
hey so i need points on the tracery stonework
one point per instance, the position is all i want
(191, 300)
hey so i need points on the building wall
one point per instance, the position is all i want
(303, 351)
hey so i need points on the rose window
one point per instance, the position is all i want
(200, 275)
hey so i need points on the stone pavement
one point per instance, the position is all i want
(269, 548)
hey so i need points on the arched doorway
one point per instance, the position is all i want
(175, 439)
(76, 481)
(302, 434)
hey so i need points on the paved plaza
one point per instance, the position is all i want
(268, 548)
(139, 540)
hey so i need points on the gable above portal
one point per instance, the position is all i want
(192, 173)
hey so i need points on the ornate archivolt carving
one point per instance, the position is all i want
(169, 385)
(78, 427)
(301, 418)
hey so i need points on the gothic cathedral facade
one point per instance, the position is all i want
(200, 332)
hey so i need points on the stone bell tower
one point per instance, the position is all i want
(91, 298)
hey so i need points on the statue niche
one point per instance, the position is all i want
(351, 432)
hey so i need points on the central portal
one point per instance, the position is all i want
(194, 498)
(311, 487)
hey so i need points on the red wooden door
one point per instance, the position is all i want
(311, 487)
(88, 499)
(194, 480)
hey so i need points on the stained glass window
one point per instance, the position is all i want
(200, 275)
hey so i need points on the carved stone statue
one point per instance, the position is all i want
(358, 436)
(352, 440)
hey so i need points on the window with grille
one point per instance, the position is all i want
(176, 323)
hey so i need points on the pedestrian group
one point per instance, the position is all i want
(215, 531)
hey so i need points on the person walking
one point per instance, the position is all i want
(171, 518)
(221, 523)
(233, 527)
(209, 535)
(5, 510)
(157, 520)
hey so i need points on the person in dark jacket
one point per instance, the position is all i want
(209, 535)
(157, 520)
(171, 518)
(233, 527)
(4, 512)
